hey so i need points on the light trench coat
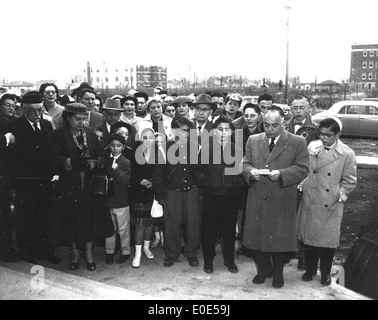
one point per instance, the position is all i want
(270, 218)
(332, 177)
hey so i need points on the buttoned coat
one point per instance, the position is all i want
(270, 218)
(332, 174)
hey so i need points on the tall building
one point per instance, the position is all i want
(104, 75)
(364, 66)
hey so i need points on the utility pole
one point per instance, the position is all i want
(287, 55)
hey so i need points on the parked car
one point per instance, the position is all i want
(359, 117)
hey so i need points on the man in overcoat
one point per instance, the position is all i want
(30, 165)
(270, 221)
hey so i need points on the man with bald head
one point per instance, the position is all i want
(275, 162)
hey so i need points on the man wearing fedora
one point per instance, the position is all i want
(87, 97)
(32, 172)
(203, 109)
(112, 112)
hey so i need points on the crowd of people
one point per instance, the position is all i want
(77, 172)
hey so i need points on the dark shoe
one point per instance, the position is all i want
(53, 259)
(278, 283)
(109, 259)
(122, 258)
(91, 266)
(73, 265)
(208, 268)
(232, 267)
(193, 262)
(301, 264)
(168, 262)
(326, 280)
(307, 276)
(260, 279)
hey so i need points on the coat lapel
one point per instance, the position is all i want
(326, 158)
(263, 146)
(281, 145)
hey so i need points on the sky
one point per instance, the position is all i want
(53, 40)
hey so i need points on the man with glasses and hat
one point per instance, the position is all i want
(203, 109)
(31, 168)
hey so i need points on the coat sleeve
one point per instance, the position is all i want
(298, 171)
(246, 163)
(3, 142)
(348, 180)
(122, 173)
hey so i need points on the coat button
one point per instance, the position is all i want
(326, 205)
(327, 190)
(264, 198)
(314, 172)
(328, 173)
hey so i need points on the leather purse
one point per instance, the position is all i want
(101, 186)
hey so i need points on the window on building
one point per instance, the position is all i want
(369, 86)
(365, 53)
(370, 76)
(97, 79)
(371, 64)
(116, 78)
(116, 70)
(85, 79)
(364, 63)
(363, 77)
(106, 70)
(91, 70)
(375, 76)
(106, 79)
(97, 71)
(371, 53)
(125, 78)
(363, 86)
(353, 70)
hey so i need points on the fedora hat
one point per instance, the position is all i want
(76, 108)
(112, 105)
(205, 99)
(32, 97)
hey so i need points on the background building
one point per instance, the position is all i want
(364, 66)
(111, 76)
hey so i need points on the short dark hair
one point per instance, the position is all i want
(277, 108)
(7, 96)
(330, 124)
(83, 91)
(252, 106)
(266, 97)
(298, 97)
(43, 87)
(180, 121)
(141, 95)
(224, 119)
(117, 137)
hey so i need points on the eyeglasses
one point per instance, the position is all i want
(8, 105)
(50, 91)
(34, 111)
(299, 108)
(203, 110)
(325, 135)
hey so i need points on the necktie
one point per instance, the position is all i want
(298, 123)
(272, 144)
(199, 135)
(80, 138)
(327, 148)
(36, 129)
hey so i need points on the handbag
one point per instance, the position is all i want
(101, 186)
(156, 209)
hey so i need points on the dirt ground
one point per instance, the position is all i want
(360, 212)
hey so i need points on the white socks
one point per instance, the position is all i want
(138, 255)
(156, 241)
(146, 250)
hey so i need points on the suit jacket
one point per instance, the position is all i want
(30, 156)
(205, 136)
(3, 131)
(121, 176)
(96, 119)
(270, 220)
(4, 157)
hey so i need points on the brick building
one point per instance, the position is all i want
(364, 66)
